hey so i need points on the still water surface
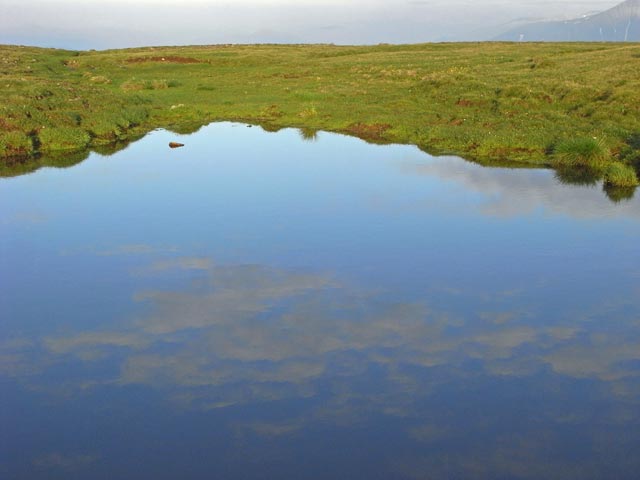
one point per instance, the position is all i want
(258, 306)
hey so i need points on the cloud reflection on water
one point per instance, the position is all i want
(293, 321)
(479, 344)
(250, 334)
(509, 193)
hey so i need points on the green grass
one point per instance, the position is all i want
(620, 175)
(584, 152)
(496, 103)
(55, 139)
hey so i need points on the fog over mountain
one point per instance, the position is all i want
(100, 24)
(618, 24)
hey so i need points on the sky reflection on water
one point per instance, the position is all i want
(257, 306)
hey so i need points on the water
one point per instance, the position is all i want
(259, 305)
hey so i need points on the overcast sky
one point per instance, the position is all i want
(99, 24)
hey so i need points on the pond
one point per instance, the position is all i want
(264, 305)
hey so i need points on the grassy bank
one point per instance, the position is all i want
(564, 105)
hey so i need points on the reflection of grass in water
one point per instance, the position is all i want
(184, 129)
(622, 187)
(112, 148)
(269, 127)
(308, 134)
(13, 167)
(64, 160)
(584, 176)
(619, 194)
(492, 102)
(20, 166)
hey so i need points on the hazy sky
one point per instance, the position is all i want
(102, 24)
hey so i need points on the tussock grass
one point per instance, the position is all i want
(583, 152)
(620, 175)
(497, 103)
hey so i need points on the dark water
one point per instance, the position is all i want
(255, 305)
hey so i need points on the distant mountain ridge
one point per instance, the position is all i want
(618, 24)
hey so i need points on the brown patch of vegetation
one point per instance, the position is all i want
(17, 153)
(272, 111)
(6, 125)
(99, 79)
(168, 59)
(465, 103)
(374, 131)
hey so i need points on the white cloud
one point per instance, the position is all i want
(121, 23)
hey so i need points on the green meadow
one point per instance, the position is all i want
(574, 107)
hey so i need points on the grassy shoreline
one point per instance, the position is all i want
(574, 106)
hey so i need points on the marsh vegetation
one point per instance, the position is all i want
(535, 104)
